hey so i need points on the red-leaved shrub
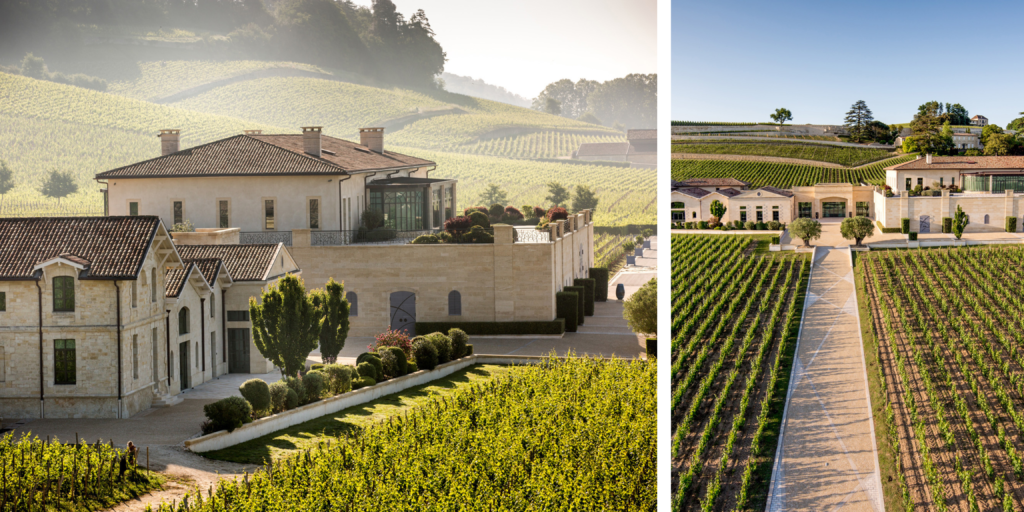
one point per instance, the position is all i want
(557, 213)
(390, 338)
(457, 225)
(538, 212)
(513, 213)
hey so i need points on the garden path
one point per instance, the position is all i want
(826, 458)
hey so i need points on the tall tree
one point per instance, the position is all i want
(557, 194)
(584, 199)
(857, 119)
(717, 209)
(988, 131)
(552, 106)
(572, 98)
(630, 101)
(782, 115)
(331, 301)
(286, 324)
(493, 195)
(958, 115)
(959, 222)
(925, 126)
(59, 184)
(6, 182)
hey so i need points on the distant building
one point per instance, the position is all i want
(979, 121)
(641, 149)
(966, 141)
(606, 151)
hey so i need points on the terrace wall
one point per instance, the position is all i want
(997, 206)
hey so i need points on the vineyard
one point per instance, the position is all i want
(625, 195)
(843, 155)
(608, 251)
(767, 134)
(159, 79)
(535, 145)
(734, 321)
(714, 123)
(579, 431)
(949, 329)
(38, 475)
(761, 174)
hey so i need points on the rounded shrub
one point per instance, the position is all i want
(228, 413)
(557, 213)
(702, 224)
(363, 382)
(315, 367)
(374, 359)
(291, 400)
(471, 209)
(366, 369)
(443, 344)
(513, 214)
(411, 367)
(257, 393)
(479, 219)
(296, 385)
(401, 362)
(538, 212)
(425, 240)
(774, 225)
(761, 226)
(496, 211)
(339, 378)
(390, 365)
(750, 225)
(459, 340)
(424, 353)
(278, 394)
(314, 383)
(456, 226)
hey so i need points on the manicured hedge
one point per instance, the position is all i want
(588, 296)
(600, 276)
(905, 226)
(884, 229)
(566, 304)
(1011, 224)
(581, 307)
(947, 224)
(912, 235)
(775, 240)
(556, 326)
(652, 347)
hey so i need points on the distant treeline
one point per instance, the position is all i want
(623, 103)
(479, 89)
(377, 42)
(34, 67)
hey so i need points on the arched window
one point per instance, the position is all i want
(183, 322)
(353, 303)
(454, 303)
(986, 218)
(63, 293)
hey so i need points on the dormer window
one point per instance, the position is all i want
(64, 293)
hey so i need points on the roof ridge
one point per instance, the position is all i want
(165, 156)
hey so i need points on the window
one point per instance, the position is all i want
(908, 184)
(353, 303)
(268, 214)
(862, 208)
(183, 322)
(179, 211)
(135, 293)
(986, 218)
(238, 316)
(213, 304)
(152, 285)
(314, 213)
(920, 182)
(678, 216)
(805, 210)
(222, 214)
(775, 213)
(760, 215)
(402, 208)
(436, 205)
(63, 293)
(941, 179)
(213, 351)
(135, 356)
(3, 301)
(63, 361)
(743, 213)
(133, 209)
(449, 203)
(694, 214)
(196, 351)
(454, 303)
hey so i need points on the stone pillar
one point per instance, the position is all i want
(504, 274)
(944, 208)
(301, 237)
(553, 231)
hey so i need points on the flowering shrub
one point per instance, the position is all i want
(391, 338)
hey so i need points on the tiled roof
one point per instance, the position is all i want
(714, 182)
(113, 247)
(250, 262)
(778, 191)
(265, 155)
(728, 192)
(692, 192)
(966, 163)
(641, 134)
(209, 267)
(176, 279)
(603, 149)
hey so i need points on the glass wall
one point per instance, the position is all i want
(862, 208)
(402, 208)
(436, 207)
(976, 183)
(1008, 182)
(805, 210)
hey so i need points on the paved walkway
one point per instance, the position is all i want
(827, 459)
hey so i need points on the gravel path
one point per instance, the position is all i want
(826, 458)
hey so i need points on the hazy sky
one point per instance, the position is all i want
(527, 44)
(740, 60)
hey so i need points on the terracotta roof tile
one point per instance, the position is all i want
(248, 262)
(265, 155)
(692, 192)
(209, 267)
(714, 182)
(966, 163)
(778, 191)
(176, 279)
(113, 247)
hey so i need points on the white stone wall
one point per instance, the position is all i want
(997, 206)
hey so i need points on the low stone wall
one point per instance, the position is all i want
(730, 232)
(271, 424)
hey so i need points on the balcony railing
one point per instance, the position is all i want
(266, 237)
(531, 235)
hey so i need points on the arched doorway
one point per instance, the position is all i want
(403, 312)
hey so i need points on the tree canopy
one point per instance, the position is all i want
(331, 301)
(584, 199)
(493, 195)
(782, 115)
(857, 120)
(805, 229)
(59, 184)
(286, 324)
(641, 309)
(557, 194)
(856, 228)
(630, 101)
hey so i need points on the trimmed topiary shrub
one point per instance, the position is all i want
(392, 338)
(477, 235)
(363, 382)
(761, 226)
(459, 340)
(776, 240)
(314, 384)
(315, 367)
(512, 213)
(425, 240)
(750, 225)
(443, 344)
(366, 369)
(1011, 224)
(278, 394)
(471, 209)
(339, 378)
(702, 224)
(412, 367)
(390, 365)
(538, 212)
(469, 350)
(257, 393)
(479, 219)
(374, 359)
(947, 224)
(566, 304)
(496, 211)
(581, 302)
(456, 226)
(905, 226)
(912, 235)
(228, 413)
(600, 277)
(401, 361)
(557, 213)
(291, 400)
(424, 353)
(588, 285)
(296, 384)
(774, 225)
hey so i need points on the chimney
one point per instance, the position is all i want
(918, 157)
(168, 141)
(372, 138)
(311, 139)
(928, 159)
(253, 132)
